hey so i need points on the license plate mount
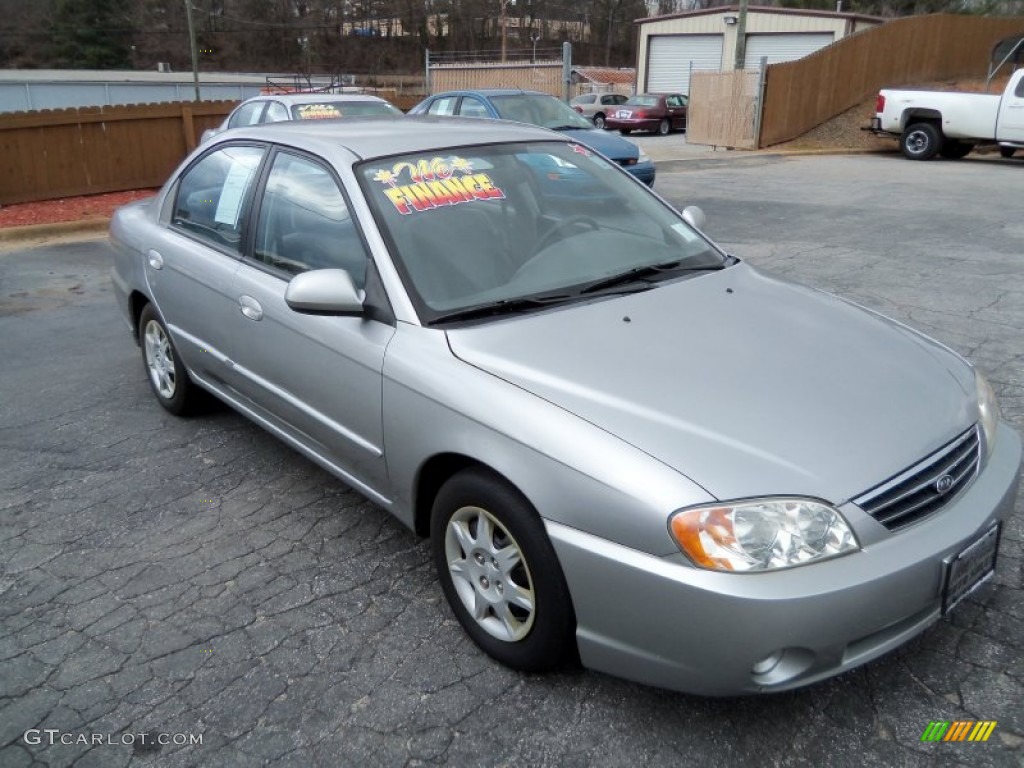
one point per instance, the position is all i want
(972, 567)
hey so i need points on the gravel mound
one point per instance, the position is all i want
(844, 131)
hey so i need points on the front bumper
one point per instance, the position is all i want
(643, 171)
(662, 622)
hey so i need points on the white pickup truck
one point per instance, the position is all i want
(950, 123)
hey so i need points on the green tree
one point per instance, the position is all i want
(25, 34)
(91, 34)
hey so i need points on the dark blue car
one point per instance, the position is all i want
(539, 109)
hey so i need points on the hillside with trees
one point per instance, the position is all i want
(353, 36)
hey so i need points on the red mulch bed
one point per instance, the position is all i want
(68, 209)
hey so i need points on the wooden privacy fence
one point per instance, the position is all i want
(543, 76)
(60, 153)
(802, 94)
(723, 109)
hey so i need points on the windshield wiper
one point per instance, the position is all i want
(505, 306)
(649, 270)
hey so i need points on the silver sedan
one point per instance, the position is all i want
(623, 442)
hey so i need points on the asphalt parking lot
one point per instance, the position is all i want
(198, 578)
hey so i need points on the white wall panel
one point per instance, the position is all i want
(782, 47)
(673, 56)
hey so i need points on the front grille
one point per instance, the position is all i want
(628, 161)
(925, 487)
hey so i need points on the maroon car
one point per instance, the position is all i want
(661, 112)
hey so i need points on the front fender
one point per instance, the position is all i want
(572, 472)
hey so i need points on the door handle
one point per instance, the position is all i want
(250, 307)
(156, 261)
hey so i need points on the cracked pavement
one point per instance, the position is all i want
(161, 575)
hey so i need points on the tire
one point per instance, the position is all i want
(165, 372)
(599, 121)
(664, 127)
(625, 131)
(486, 540)
(1007, 152)
(954, 150)
(920, 141)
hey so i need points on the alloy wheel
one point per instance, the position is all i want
(490, 574)
(159, 359)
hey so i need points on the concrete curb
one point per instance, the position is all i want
(34, 232)
(732, 155)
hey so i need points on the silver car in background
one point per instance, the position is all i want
(622, 441)
(281, 107)
(596, 106)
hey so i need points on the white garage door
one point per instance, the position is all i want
(782, 47)
(670, 58)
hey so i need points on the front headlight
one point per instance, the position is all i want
(761, 534)
(989, 410)
(643, 158)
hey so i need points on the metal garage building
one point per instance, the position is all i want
(673, 46)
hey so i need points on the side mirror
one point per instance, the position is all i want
(324, 291)
(694, 216)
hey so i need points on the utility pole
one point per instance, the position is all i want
(741, 37)
(192, 42)
(502, 22)
(504, 26)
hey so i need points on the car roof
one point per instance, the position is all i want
(383, 136)
(315, 98)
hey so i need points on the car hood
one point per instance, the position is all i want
(608, 144)
(745, 384)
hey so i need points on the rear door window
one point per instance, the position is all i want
(214, 194)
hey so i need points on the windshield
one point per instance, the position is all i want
(539, 109)
(495, 226)
(642, 100)
(338, 108)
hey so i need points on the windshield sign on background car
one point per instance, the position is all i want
(326, 110)
(486, 227)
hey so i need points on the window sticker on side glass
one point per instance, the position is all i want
(317, 111)
(230, 203)
(687, 234)
(433, 183)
